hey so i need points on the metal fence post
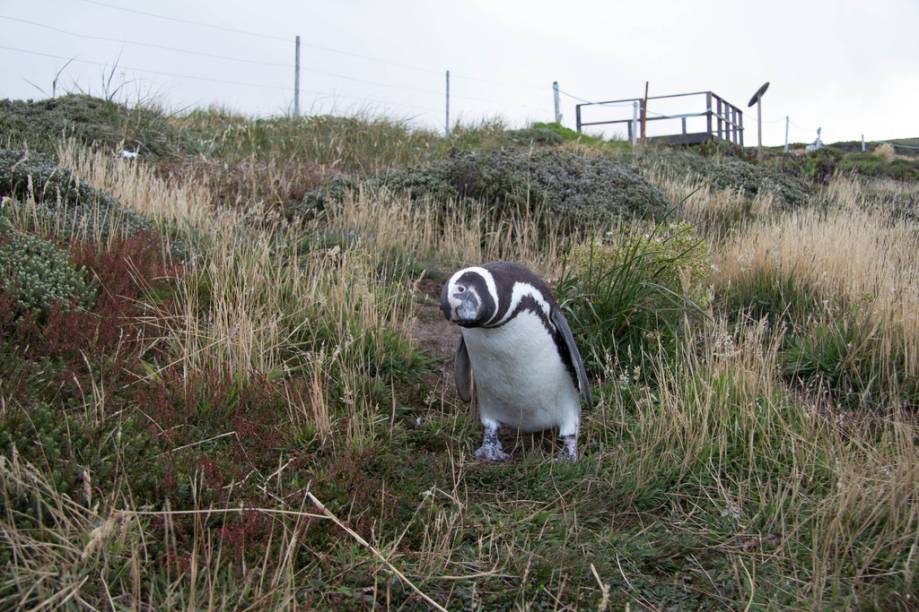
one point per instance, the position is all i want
(633, 127)
(558, 105)
(787, 121)
(297, 77)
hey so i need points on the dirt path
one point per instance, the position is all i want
(437, 336)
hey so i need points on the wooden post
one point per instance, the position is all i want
(297, 77)
(577, 117)
(683, 121)
(863, 143)
(644, 115)
(728, 120)
(719, 114)
(734, 114)
(447, 113)
(708, 113)
(558, 106)
(737, 132)
(741, 130)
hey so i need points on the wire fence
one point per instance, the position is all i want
(425, 108)
(496, 105)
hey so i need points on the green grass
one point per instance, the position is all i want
(594, 142)
(630, 296)
(359, 143)
(870, 164)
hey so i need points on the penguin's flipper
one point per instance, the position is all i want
(561, 324)
(462, 371)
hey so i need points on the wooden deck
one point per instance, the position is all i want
(723, 120)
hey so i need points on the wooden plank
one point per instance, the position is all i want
(644, 114)
(741, 129)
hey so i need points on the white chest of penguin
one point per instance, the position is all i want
(520, 378)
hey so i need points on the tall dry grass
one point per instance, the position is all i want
(716, 213)
(855, 258)
(361, 142)
(85, 555)
(802, 497)
(252, 302)
(448, 234)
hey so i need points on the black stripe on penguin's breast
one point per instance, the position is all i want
(507, 274)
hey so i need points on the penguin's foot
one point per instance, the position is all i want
(569, 452)
(492, 453)
(491, 445)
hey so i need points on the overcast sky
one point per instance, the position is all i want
(851, 67)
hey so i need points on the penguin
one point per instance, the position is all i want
(517, 346)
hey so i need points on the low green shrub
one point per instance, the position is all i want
(629, 296)
(36, 274)
(815, 167)
(748, 179)
(62, 200)
(92, 121)
(76, 455)
(871, 164)
(576, 190)
(535, 135)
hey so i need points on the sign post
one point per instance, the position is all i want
(757, 99)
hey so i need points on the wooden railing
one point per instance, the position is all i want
(724, 121)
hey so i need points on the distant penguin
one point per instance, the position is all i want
(518, 347)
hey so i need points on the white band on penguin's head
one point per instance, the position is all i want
(489, 284)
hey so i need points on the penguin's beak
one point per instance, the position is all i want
(466, 306)
(445, 306)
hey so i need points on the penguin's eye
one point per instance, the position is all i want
(460, 289)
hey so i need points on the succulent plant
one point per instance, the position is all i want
(36, 274)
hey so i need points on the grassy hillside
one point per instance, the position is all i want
(215, 392)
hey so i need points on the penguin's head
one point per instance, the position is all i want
(469, 297)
